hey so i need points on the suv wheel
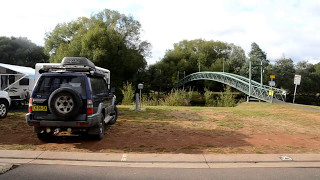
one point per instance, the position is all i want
(3, 109)
(65, 103)
(100, 129)
(43, 136)
(115, 116)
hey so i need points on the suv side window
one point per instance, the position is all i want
(98, 86)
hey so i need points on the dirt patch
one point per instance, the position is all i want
(181, 130)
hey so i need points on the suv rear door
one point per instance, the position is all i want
(51, 82)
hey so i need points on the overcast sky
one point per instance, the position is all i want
(289, 28)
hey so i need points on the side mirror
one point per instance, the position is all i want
(113, 90)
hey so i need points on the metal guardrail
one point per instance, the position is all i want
(238, 82)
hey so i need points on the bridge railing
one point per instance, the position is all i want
(238, 82)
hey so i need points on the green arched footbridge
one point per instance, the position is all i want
(258, 91)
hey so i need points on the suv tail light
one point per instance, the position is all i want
(30, 105)
(89, 107)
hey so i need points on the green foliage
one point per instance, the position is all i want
(209, 97)
(317, 68)
(189, 56)
(110, 39)
(21, 51)
(224, 99)
(256, 55)
(309, 78)
(151, 100)
(284, 72)
(177, 98)
(128, 93)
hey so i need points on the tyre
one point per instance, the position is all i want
(65, 103)
(16, 103)
(43, 137)
(115, 116)
(3, 109)
(100, 129)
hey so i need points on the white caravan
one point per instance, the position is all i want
(18, 81)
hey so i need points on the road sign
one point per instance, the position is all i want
(272, 76)
(297, 79)
(272, 83)
(271, 93)
(140, 86)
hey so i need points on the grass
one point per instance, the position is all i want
(247, 128)
(258, 116)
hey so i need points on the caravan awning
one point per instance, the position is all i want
(20, 69)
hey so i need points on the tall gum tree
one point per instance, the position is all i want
(110, 39)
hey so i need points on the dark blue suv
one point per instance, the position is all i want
(72, 98)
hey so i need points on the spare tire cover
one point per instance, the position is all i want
(65, 103)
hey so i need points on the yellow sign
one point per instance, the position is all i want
(271, 93)
(272, 76)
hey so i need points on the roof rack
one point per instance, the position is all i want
(74, 64)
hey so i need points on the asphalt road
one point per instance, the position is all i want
(88, 172)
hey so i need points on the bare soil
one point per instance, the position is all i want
(248, 128)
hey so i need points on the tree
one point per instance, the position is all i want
(21, 51)
(110, 39)
(317, 68)
(237, 59)
(256, 56)
(192, 56)
(308, 77)
(284, 72)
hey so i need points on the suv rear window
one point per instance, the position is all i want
(47, 84)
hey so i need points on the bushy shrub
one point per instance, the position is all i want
(226, 99)
(177, 98)
(128, 93)
(209, 97)
(151, 100)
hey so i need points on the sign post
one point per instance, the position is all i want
(140, 86)
(297, 80)
(272, 83)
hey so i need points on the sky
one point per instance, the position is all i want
(282, 28)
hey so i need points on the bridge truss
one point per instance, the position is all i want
(255, 90)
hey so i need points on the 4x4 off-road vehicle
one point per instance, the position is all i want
(72, 98)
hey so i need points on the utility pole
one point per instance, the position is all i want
(223, 64)
(159, 86)
(249, 81)
(261, 70)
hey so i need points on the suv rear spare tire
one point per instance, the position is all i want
(65, 103)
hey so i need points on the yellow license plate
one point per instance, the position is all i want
(39, 108)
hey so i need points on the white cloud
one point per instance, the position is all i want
(279, 27)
